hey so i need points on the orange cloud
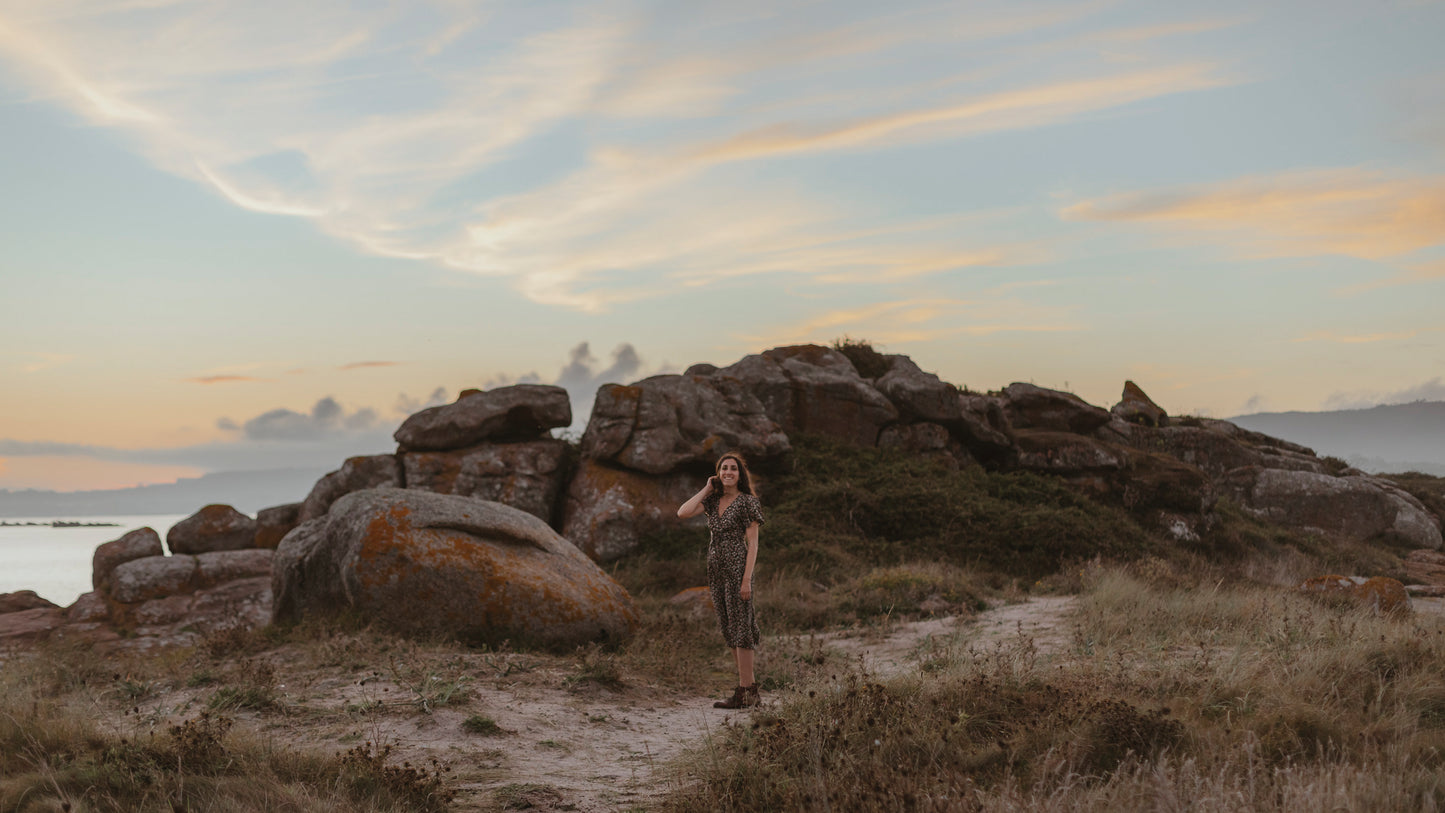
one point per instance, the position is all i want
(1352, 212)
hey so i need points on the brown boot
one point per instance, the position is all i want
(734, 702)
(751, 697)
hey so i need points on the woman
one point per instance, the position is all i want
(733, 516)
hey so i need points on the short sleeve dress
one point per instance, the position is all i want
(727, 558)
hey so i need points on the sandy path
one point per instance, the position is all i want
(599, 751)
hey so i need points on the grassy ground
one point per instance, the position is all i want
(1178, 693)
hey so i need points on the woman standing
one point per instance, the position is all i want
(733, 517)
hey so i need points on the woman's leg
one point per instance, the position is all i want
(744, 657)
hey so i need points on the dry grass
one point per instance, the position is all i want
(1179, 693)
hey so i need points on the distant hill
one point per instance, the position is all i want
(247, 491)
(1393, 438)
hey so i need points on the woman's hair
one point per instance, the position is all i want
(745, 480)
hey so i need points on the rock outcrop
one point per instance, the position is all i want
(528, 475)
(23, 600)
(1136, 407)
(137, 544)
(213, 528)
(609, 511)
(356, 474)
(272, 524)
(1357, 508)
(668, 422)
(435, 563)
(815, 390)
(519, 412)
(1031, 407)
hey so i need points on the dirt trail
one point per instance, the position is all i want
(605, 752)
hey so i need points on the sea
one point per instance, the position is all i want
(55, 562)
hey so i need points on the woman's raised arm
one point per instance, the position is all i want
(693, 506)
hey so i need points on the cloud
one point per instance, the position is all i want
(224, 379)
(1414, 275)
(1431, 390)
(361, 365)
(407, 405)
(919, 320)
(1365, 338)
(432, 131)
(1352, 212)
(327, 417)
(1254, 404)
(46, 361)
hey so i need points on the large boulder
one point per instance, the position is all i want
(232, 565)
(1356, 508)
(984, 429)
(815, 390)
(917, 395)
(1031, 407)
(437, 563)
(213, 528)
(668, 421)
(356, 474)
(272, 524)
(1137, 407)
(30, 625)
(244, 603)
(609, 510)
(527, 475)
(153, 577)
(22, 600)
(137, 544)
(518, 412)
(1212, 447)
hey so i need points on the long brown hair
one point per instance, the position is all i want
(745, 480)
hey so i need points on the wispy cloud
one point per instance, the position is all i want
(224, 379)
(386, 126)
(1360, 338)
(362, 365)
(1353, 212)
(1413, 275)
(918, 320)
(45, 361)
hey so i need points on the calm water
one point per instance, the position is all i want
(55, 562)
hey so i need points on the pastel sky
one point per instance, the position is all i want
(239, 235)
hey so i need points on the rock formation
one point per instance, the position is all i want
(528, 475)
(520, 412)
(435, 563)
(213, 528)
(272, 524)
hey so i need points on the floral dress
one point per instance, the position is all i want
(727, 558)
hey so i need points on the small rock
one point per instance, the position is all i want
(1381, 594)
(30, 625)
(356, 474)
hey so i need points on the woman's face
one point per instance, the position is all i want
(727, 472)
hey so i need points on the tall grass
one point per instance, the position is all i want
(1177, 695)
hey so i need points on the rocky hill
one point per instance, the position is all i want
(651, 444)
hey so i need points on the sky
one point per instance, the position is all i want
(243, 235)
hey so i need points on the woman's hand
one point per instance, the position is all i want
(746, 591)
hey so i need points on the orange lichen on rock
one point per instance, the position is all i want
(1381, 594)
